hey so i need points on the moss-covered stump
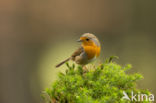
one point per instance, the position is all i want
(103, 84)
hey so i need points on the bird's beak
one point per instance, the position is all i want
(79, 40)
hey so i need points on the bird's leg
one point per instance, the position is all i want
(84, 69)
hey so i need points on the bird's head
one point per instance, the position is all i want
(89, 39)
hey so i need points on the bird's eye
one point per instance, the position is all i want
(87, 39)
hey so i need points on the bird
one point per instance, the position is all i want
(88, 51)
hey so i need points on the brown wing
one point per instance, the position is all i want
(77, 53)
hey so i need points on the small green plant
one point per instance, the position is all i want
(102, 84)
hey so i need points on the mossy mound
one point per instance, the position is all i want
(102, 84)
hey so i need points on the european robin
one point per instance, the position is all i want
(87, 52)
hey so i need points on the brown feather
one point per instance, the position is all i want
(77, 53)
(58, 65)
(73, 56)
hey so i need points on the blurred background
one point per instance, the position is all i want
(36, 35)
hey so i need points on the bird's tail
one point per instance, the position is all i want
(58, 65)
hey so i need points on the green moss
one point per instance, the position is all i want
(103, 84)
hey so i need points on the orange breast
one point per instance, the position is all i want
(92, 51)
(98, 51)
